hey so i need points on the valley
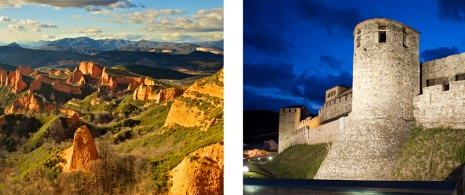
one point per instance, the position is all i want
(150, 116)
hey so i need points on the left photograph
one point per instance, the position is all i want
(111, 97)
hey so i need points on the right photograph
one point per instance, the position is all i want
(353, 97)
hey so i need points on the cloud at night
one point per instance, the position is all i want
(451, 10)
(440, 52)
(269, 43)
(269, 75)
(335, 21)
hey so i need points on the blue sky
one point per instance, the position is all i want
(157, 20)
(295, 50)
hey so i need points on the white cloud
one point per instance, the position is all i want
(88, 5)
(84, 31)
(58, 3)
(4, 19)
(169, 20)
(29, 25)
(121, 4)
(47, 37)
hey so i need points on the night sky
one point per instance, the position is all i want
(295, 50)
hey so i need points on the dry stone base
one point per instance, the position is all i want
(367, 150)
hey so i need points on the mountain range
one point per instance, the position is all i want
(194, 61)
(89, 46)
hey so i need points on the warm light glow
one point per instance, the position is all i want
(270, 158)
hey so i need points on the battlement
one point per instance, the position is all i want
(441, 106)
(337, 107)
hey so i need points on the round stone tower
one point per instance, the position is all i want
(386, 77)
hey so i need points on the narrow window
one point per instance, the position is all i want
(358, 37)
(404, 37)
(382, 36)
(382, 33)
(445, 87)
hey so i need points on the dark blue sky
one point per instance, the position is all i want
(295, 50)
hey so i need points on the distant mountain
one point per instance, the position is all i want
(14, 44)
(192, 62)
(260, 126)
(86, 45)
(214, 44)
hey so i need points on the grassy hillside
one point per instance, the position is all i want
(430, 154)
(298, 162)
(136, 151)
(154, 72)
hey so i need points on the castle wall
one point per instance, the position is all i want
(326, 133)
(335, 108)
(439, 108)
(385, 80)
(443, 71)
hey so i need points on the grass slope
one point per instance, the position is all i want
(430, 154)
(154, 72)
(291, 163)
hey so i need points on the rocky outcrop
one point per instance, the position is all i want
(57, 72)
(199, 103)
(36, 84)
(144, 92)
(24, 70)
(139, 81)
(201, 172)
(34, 73)
(213, 85)
(76, 78)
(169, 94)
(63, 87)
(84, 150)
(91, 68)
(108, 80)
(46, 79)
(69, 112)
(15, 80)
(114, 81)
(29, 104)
(3, 76)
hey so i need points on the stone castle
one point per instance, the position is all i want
(392, 92)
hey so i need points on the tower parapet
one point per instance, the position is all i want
(289, 119)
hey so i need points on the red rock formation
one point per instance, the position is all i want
(202, 172)
(36, 84)
(57, 72)
(68, 112)
(46, 79)
(15, 79)
(34, 73)
(84, 150)
(209, 91)
(91, 68)
(133, 86)
(29, 104)
(76, 78)
(63, 87)
(108, 80)
(169, 94)
(24, 70)
(3, 76)
(144, 92)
